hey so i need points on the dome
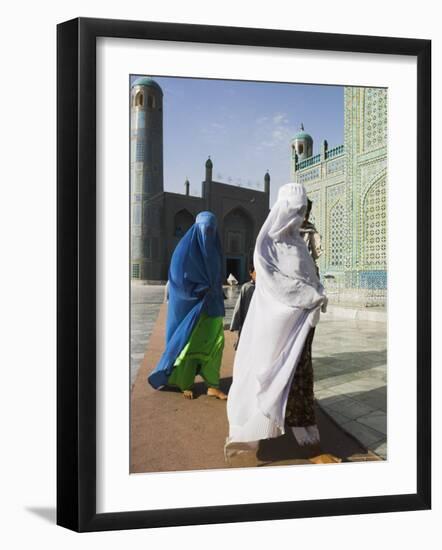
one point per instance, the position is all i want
(303, 135)
(147, 81)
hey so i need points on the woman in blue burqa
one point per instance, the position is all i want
(194, 329)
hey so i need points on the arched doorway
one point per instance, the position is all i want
(373, 276)
(238, 243)
(183, 221)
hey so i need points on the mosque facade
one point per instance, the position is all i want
(159, 218)
(348, 187)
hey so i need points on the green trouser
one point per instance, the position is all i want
(201, 355)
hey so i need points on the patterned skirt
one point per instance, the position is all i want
(300, 411)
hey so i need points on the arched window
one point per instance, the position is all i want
(182, 222)
(139, 99)
(151, 101)
(337, 235)
(375, 225)
(300, 148)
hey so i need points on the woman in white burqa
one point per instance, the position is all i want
(277, 333)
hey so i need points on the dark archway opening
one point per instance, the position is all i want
(237, 243)
(234, 267)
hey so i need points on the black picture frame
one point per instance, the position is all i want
(76, 273)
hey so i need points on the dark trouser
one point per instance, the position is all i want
(300, 411)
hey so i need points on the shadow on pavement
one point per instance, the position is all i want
(347, 362)
(333, 441)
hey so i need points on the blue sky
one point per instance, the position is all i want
(245, 127)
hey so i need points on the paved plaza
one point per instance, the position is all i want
(170, 433)
(145, 305)
(349, 361)
(349, 358)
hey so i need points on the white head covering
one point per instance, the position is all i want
(282, 261)
(289, 209)
(284, 307)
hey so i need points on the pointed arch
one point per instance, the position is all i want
(379, 176)
(240, 210)
(238, 231)
(374, 214)
(139, 99)
(182, 222)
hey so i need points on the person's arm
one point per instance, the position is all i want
(316, 245)
(235, 324)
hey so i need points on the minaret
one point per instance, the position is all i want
(324, 150)
(302, 148)
(207, 184)
(187, 187)
(147, 136)
(209, 167)
(146, 162)
(267, 183)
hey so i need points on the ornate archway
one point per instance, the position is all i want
(238, 243)
(337, 235)
(374, 211)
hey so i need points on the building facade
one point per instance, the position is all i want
(347, 184)
(348, 187)
(159, 219)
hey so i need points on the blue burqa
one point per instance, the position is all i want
(195, 285)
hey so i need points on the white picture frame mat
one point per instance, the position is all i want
(117, 490)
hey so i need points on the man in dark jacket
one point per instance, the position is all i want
(243, 303)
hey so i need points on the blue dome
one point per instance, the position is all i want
(303, 135)
(147, 81)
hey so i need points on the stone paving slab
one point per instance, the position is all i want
(376, 420)
(367, 436)
(376, 398)
(375, 314)
(349, 408)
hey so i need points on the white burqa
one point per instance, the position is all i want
(284, 307)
